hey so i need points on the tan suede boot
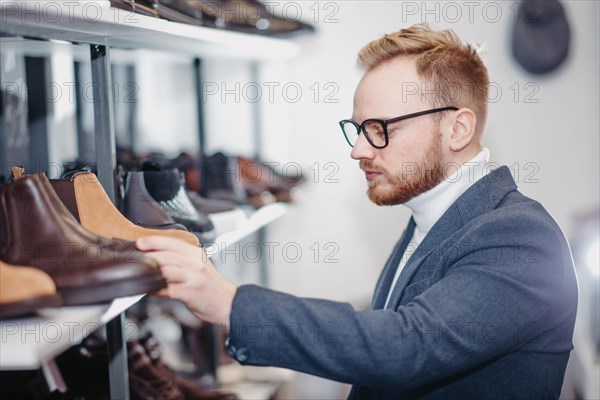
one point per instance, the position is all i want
(23, 290)
(86, 199)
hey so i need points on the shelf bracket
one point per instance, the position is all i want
(118, 374)
(201, 127)
(257, 129)
(53, 378)
(106, 162)
(103, 118)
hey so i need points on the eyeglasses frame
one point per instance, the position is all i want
(386, 122)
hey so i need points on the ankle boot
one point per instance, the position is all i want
(192, 171)
(37, 230)
(68, 218)
(225, 180)
(88, 202)
(190, 389)
(155, 196)
(255, 173)
(147, 381)
(23, 290)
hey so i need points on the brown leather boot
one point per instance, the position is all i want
(188, 388)
(88, 202)
(23, 290)
(146, 382)
(257, 174)
(37, 230)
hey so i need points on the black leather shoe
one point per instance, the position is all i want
(192, 171)
(223, 180)
(210, 206)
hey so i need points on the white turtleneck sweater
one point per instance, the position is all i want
(428, 207)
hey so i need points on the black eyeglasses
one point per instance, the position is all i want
(376, 131)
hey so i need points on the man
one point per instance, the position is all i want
(478, 298)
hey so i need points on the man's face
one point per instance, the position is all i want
(412, 161)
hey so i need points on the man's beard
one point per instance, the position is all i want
(415, 178)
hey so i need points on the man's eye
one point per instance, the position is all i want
(392, 130)
(378, 132)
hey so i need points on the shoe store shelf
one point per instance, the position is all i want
(28, 343)
(95, 22)
(243, 225)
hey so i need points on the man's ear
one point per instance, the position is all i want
(462, 129)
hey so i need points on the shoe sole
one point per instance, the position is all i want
(28, 307)
(86, 295)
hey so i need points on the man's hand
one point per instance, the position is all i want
(192, 278)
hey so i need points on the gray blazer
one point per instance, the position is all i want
(485, 308)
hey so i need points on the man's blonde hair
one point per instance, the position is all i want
(453, 69)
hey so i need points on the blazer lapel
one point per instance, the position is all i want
(441, 230)
(484, 195)
(387, 275)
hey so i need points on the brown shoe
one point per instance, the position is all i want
(146, 7)
(248, 16)
(258, 176)
(146, 382)
(85, 198)
(37, 230)
(142, 7)
(251, 16)
(189, 389)
(23, 290)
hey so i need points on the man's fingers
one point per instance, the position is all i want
(172, 258)
(170, 291)
(174, 274)
(164, 292)
(161, 243)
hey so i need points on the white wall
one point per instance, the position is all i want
(167, 109)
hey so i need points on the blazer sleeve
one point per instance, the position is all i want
(495, 295)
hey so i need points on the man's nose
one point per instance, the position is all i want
(362, 149)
